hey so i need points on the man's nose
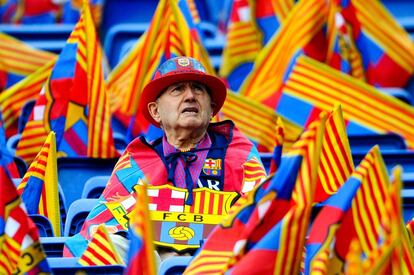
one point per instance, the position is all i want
(189, 93)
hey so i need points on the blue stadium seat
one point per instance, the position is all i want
(77, 213)
(391, 158)
(53, 246)
(94, 186)
(74, 172)
(120, 141)
(43, 225)
(48, 37)
(174, 265)
(12, 142)
(363, 143)
(399, 93)
(408, 204)
(65, 266)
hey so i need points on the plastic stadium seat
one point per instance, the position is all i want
(64, 266)
(408, 204)
(77, 213)
(43, 225)
(174, 265)
(48, 37)
(120, 142)
(392, 158)
(53, 246)
(399, 93)
(94, 186)
(386, 142)
(74, 172)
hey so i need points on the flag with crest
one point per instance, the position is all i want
(74, 101)
(39, 186)
(20, 248)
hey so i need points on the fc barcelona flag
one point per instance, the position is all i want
(74, 102)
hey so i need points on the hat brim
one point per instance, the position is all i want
(153, 89)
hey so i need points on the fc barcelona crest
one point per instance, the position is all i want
(182, 226)
(212, 167)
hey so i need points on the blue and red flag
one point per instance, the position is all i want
(8, 159)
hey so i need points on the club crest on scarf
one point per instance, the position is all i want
(212, 167)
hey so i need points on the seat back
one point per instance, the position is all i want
(43, 225)
(94, 186)
(77, 213)
(53, 246)
(74, 172)
(174, 265)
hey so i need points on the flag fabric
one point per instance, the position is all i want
(100, 250)
(13, 99)
(253, 215)
(300, 33)
(74, 102)
(320, 86)
(324, 227)
(364, 220)
(336, 163)
(141, 250)
(276, 246)
(277, 151)
(258, 122)
(19, 60)
(20, 248)
(39, 186)
(369, 44)
(7, 158)
(251, 26)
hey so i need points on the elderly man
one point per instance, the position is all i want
(194, 172)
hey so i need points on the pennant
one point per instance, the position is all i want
(20, 248)
(39, 186)
(277, 151)
(100, 250)
(141, 250)
(73, 103)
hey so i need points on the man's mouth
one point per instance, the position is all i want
(190, 110)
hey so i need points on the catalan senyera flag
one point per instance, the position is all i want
(324, 227)
(8, 159)
(20, 248)
(100, 250)
(300, 33)
(320, 86)
(250, 27)
(370, 44)
(258, 122)
(74, 102)
(364, 221)
(141, 249)
(19, 60)
(13, 99)
(39, 186)
(336, 163)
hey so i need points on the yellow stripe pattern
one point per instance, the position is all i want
(258, 121)
(209, 262)
(324, 87)
(304, 21)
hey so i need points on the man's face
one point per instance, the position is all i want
(183, 105)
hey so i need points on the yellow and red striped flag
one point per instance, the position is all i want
(100, 250)
(303, 25)
(336, 163)
(39, 186)
(13, 99)
(323, 87)
(258, 122)
(19, 58)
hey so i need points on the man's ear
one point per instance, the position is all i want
(153, 110)
(213, 105)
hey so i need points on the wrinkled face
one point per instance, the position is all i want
(183, 105)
